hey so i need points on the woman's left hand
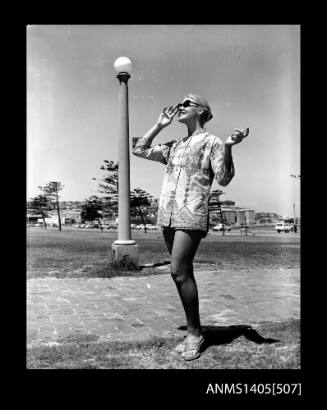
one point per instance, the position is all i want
(237, 136)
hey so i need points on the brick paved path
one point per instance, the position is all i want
(136, 307)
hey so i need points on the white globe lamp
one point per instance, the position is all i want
(123, 65)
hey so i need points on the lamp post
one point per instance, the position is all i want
(294, 217)
(124, 249)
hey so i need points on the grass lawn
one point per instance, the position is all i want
(72, 253)
(271, 345)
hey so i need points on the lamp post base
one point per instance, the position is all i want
(125, 253)
(124, 242)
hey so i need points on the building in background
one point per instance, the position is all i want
(245, 216)
(229, 215)
(267, 218)
(33, 219)
(233, 215)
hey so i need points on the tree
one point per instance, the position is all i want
(139, 198)
(91, 209)
(109, 186)
(39, 204)
(51, 191)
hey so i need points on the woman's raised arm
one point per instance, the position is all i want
(160, 152)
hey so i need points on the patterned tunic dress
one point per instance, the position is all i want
(192, 164)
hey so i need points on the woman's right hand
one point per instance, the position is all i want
(167, 115)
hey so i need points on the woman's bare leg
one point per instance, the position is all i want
(169, 235)
(182, 246)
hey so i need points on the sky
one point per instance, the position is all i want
(250, 74)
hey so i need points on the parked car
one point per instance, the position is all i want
(221, 227)
(111, 226)
(283, 227)
(151, 227)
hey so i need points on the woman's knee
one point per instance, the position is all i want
(181, 271)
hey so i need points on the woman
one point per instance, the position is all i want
(192, 163)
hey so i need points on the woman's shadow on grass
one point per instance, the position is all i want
(219, 335)
(155, 265)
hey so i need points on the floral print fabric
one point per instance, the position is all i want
(192, 164)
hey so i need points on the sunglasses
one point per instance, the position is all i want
(188, 103)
